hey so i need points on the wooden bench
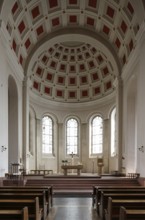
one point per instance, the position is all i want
(127, 214)
(35, 189)
(15, 214)
(27, 195)
(96, 195)
(113, 208)
(35, 213)
(117, 195)
(96, 189)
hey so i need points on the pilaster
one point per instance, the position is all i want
(25, 122)
(119, 121)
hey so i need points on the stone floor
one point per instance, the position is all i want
(73, 208)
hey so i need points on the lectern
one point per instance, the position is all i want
(15, 170)
(100, 165)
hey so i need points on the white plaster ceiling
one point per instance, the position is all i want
(72, 50)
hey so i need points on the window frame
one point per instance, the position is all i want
(113, 114)
(91, 153)
(52, 151)
(78, 136)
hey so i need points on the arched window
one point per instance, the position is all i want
(72, 136)
(96, 135)
(113, 132)
(47, 135)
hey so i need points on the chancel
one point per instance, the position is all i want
(72, 85)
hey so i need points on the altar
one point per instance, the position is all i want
(78, 167)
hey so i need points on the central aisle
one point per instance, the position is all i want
(73, 208)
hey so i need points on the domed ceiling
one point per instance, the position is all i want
(72, 50)
(72, 73)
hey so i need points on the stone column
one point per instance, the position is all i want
(60, 147)
(32, 133)
(106, 144)
(25, 123)
(38, 147)
(119, 120)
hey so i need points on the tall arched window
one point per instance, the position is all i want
(96, 135)
(47, 135)
(72, 136)
(113, 132)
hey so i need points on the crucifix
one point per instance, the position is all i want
(72, 155)
(72, 159)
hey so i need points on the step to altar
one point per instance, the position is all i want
(72, 193)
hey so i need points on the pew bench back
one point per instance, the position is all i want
(34, 210)
(16, 214)
(127, 214)
(27, 195)
(48, 191)
(117, 195)
(96, 195)
(113, 208)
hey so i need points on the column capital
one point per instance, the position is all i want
(118, 81)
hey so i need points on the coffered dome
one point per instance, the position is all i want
(72, 50)
(72, 72)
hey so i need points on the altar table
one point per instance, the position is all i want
(72, 167)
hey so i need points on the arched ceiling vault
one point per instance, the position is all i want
(72, 50)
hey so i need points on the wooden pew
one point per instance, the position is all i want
(16, 214)
(127, 214)
(117, 195)
(48, 191)
(35, 213)
(96, 195)
(14, 194)
(113, 209)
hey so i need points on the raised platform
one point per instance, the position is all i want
(79, 185)
(74, 185)
(73, 175)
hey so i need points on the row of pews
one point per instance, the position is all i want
(119, 202)
(25, 202)
(113, 198)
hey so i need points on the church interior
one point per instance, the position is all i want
(72, 87)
